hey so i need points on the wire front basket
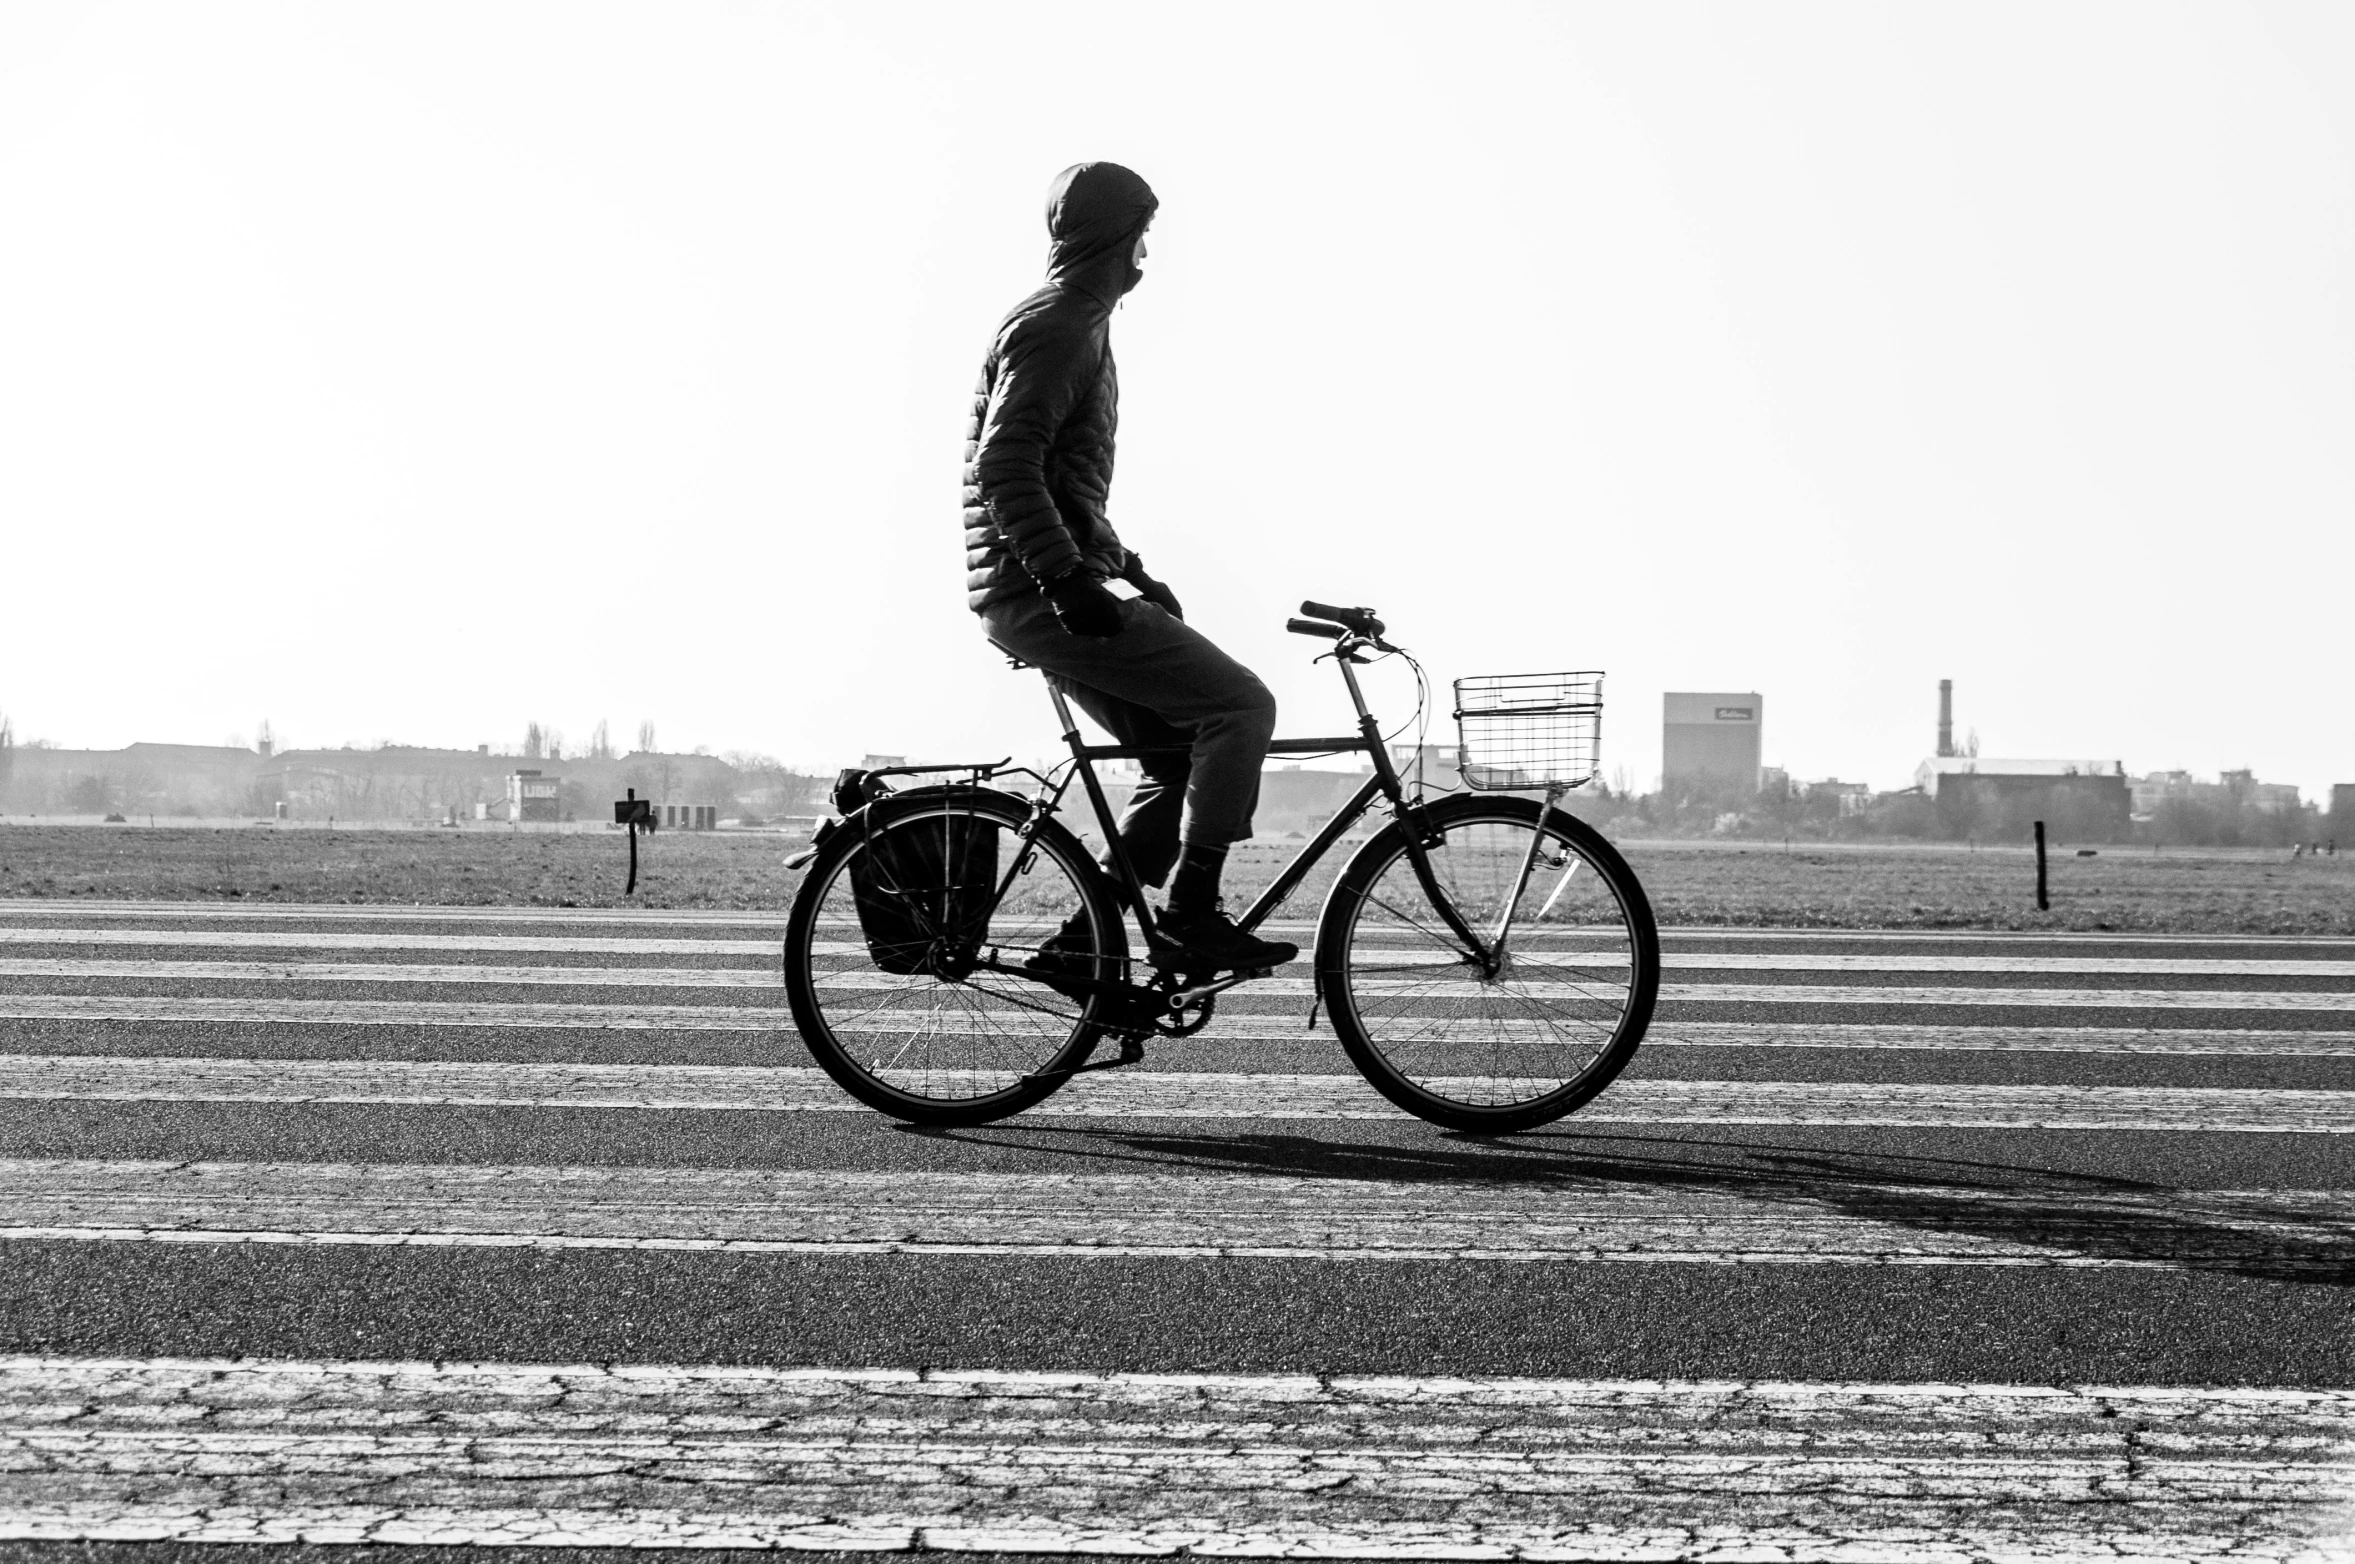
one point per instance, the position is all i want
(1527, 731)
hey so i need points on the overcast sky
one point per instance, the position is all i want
(411, 372)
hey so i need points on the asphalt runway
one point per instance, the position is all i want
(403, 1228)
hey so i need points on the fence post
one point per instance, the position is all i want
(2043, 901)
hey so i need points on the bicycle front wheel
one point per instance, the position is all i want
(1438, 1034)
(944, 1027)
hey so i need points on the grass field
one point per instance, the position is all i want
(2178, 891)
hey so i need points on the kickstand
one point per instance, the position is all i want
(1132, 1051)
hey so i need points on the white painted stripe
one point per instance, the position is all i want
(1700, 1219)
(2079, 966)
(1535, 941)
(1567, 952)
(347, 912)
(392, 972)
(1966, 937)
(774, 919)
(404, 1012)
(1421, 990)
(329, 939)
(658, 1456)
(2023, 998)
(2000, 1039)
(1550, 945)
(1865, 994)
(1837, 936)
(1230, 1028)
(1283, 987)
(1161, 1094)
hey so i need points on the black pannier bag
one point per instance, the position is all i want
(925, 880)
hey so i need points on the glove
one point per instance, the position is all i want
(1082, 606)
(1151, 590)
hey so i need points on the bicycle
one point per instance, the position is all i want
(1488, 961)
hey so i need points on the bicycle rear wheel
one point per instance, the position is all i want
(949, 1031)
(1416, 1012)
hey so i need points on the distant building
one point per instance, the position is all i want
(1427, 760)
(2158, 787)
(2232, 789)
(532, 796)
(2244, 788)
(1950, 771)
(2078, 798)
(1851, 798)
(161, 779)
(1711, 741)
(1299, 801)
(882, 762)
(413, 783)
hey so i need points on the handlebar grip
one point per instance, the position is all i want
(1314, 627)
(1361, 620)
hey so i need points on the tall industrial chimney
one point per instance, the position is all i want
(1945, 717)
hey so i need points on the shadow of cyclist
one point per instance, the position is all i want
(2070, 1218)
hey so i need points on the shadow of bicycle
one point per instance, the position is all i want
(1956, 1211)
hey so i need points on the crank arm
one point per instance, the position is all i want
(1187, 998)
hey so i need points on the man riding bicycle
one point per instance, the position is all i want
(1040, 551)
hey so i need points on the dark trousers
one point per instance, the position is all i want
(1158, 682)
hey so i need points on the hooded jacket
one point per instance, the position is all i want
(1038, 450)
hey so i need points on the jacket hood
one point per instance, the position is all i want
(1094, 213)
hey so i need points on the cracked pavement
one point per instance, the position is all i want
(414, 1246)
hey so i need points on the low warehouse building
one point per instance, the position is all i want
(2083, 800)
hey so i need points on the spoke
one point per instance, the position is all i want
(1016, 999)
(1615, 995)
(990, 1037)
(1437, 936)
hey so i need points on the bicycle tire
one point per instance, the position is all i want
(1538, 1040)
(925, 1046)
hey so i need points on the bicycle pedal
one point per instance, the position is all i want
(1209, 988)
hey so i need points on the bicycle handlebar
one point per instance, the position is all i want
(1359, 620)
(1315, 627)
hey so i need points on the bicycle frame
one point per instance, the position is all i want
(1383, 783)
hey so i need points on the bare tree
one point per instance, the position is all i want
(553, 739)
(532, 743)
(600, 742)
(646, 737)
